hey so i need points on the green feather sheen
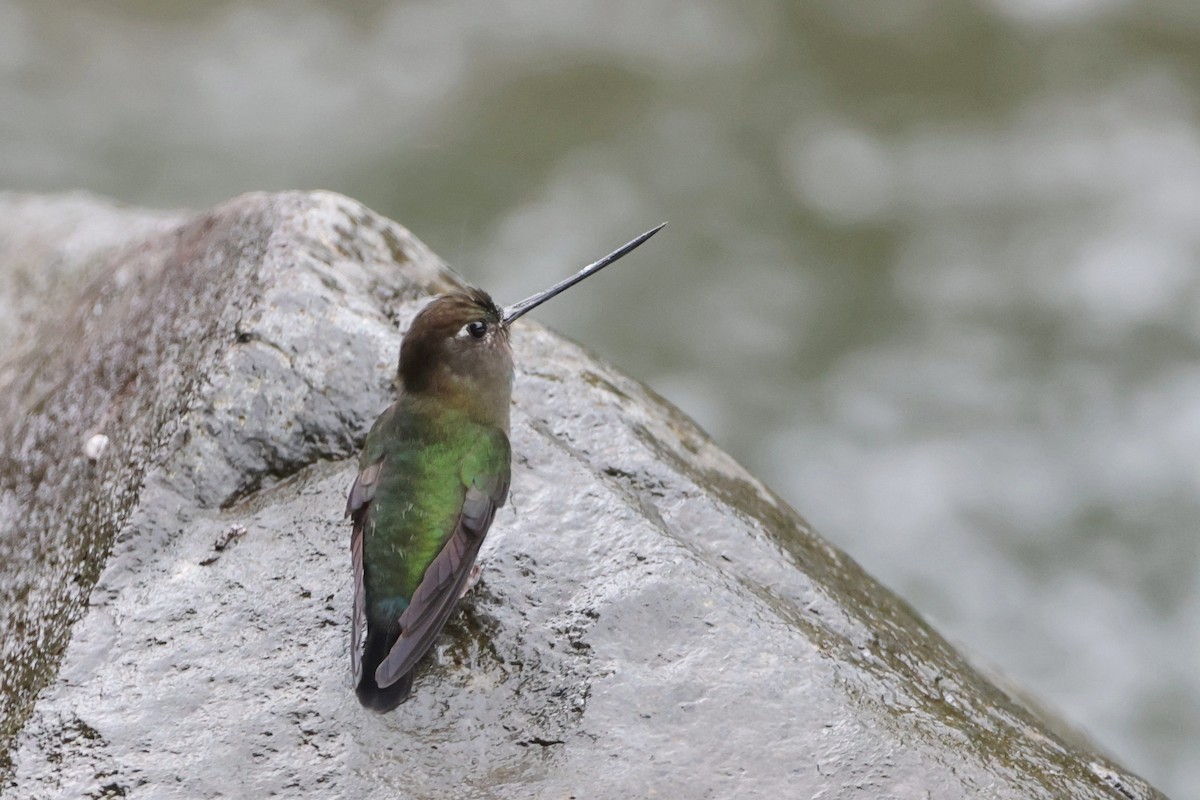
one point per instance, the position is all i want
(429, 461)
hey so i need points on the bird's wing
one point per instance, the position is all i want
(486, 477)
(357, 505)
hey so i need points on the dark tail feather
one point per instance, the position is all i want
(380, 700)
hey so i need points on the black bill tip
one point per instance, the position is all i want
(529, 303)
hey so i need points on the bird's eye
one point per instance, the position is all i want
(477, 329)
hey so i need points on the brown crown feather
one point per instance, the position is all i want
(434, 326)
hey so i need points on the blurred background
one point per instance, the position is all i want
(933, 269)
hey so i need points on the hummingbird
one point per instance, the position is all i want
(433, 471)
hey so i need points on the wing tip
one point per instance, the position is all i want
(383, 699)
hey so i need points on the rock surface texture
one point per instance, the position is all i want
(181, 401)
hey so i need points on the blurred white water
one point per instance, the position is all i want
(931, 269)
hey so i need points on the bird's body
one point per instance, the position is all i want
(433, 472)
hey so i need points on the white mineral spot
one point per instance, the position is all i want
(95, 446)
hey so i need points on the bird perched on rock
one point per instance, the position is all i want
(433, 471)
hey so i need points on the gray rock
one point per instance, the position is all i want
(181, 397)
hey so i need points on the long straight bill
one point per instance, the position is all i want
(529, 303)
